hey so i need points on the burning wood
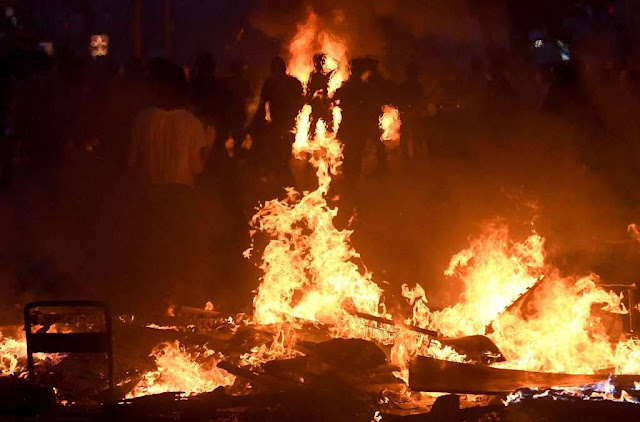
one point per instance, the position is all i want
(320, 325)
(428, 374)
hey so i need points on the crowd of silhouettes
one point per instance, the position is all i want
(56, 106)
(160, 139)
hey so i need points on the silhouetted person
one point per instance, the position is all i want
(317, 95)
(239, 95)
(360, 113)
(567, 100)
(168, 140)
(281, 99)
(411, 98)
(381, 91)
(207, 93)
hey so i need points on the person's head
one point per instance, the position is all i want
(318, 62)
(278, 67)
(169, 82)
(239, 68)
(357, 67)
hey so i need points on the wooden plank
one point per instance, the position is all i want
(428, 374)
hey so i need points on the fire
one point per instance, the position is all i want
(282, 347)
(495, 272)
(390, 124)
(312, 38)
(562, 325)
(565, 332)
(181, 371)
(13, 354)
(308, 264)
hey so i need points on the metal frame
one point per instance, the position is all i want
(87, 342)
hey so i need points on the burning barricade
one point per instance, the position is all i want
(321, 335)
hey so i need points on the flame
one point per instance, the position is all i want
(390, 124)
(312, 38)
(13, 354)
(560, 327)
(282, 347)
(181, 371)
(308, 264)
(564, 335)
(495, 272)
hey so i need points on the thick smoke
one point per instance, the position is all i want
(396, 32)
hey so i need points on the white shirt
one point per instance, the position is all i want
(167, 145)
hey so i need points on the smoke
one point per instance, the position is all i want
(396, 32)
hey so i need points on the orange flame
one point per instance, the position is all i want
(308, 265)
(13, 354)
(312, 38)
(180, 371)
(390, 124)
(563, 326)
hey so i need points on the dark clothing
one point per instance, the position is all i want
(208, 98)
(283, 94)
(318, 97)
(410, 102)
(360, 113)
(238, 95)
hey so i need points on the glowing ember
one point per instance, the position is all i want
(181, 371)
(390, 126)
(605, 390)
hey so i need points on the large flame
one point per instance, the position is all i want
(495, 272)
(308, 264)
(311, 38)
(566, 324)
(13, 353)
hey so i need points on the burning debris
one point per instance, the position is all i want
(320, 327)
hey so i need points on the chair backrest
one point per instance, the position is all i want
(82, 342)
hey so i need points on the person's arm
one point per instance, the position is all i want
(259, 116)
(202, 140)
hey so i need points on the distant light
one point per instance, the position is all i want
(46, 47)
(99, 45)
(565, 56)
(538, 44)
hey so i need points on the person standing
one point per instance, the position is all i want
(169, 142)
(281, 98)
